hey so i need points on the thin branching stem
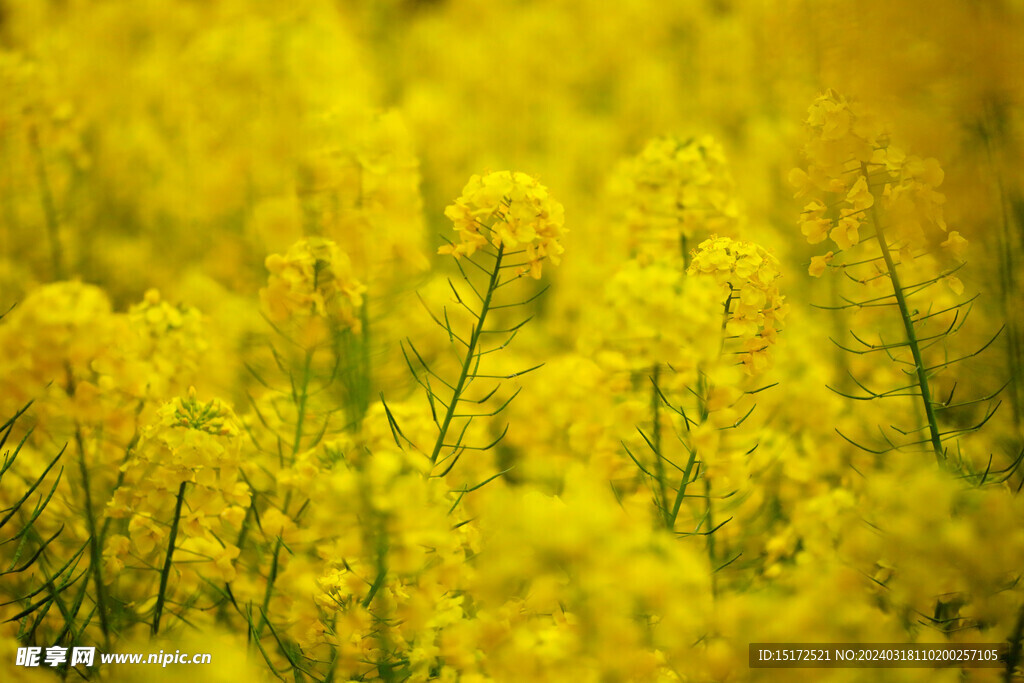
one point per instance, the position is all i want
(95, 542)
(659, 465)
(467, 363)
(301, 396)
(908, 327)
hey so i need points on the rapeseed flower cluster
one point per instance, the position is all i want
(656, 314)
(677, 191)
(314, 278)
(747, 277)
(852, 159)
(273, 387)
(193, 452)
(512, 211)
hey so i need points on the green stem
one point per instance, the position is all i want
(703, 390)
(165, 574)
(681, 491)
(1008, 289)
(49, 206)
(659, 464)
(296, 444)
(375, 532)
(377, 583)
(365, 380)
(271, 579)
(838, 318)
(243, 533)
(710, 524)
(381, 551)
(712, 552)
(467, 363)
(95, 541)
(301, 405)
(908, 327)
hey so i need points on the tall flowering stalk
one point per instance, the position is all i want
(667, 319)
(316, 305)
(702, 335)
(659, 325)
(993, 133)
(96, 373)
(684, 322)
(32, 554)
(508, 225)
(182, 492)
(411, 541)
(742, 279)
(862, 182)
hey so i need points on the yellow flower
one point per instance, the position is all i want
(219, 560)
(801, 182)
(275, 523)
(954, 284)
(653, 313)
(847, 233)
(512, 211)
(314, 278)
(677, 188)
(170, 343)
(839, 134)
(815, 230)
(747, 276)
(860, 196)
(813, 223)
(146, 534)
(830, 115)
(188, 442)
(819, 263)
(114, 554)
(955, 243)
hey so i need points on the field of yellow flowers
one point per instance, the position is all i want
(522, 340)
